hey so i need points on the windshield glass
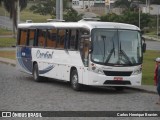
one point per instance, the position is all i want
(116, 47)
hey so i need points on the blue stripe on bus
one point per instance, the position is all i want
(22, 62)
(49, 68)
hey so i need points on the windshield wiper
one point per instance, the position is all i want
(110, 54)
(124, 54)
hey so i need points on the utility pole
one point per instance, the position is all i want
(83, 4)
(139, 17)
(18, 13)
(59, 9)
(107, 6)
(158, 22)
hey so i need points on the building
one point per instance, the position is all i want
(90, 3)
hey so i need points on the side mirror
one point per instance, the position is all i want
(142, 32)
(144, 45)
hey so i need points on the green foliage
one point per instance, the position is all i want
(155, 2)
(47, 7)
(11, 7)
(5, 32)
(72, 16)
(112, 17)
(44, 7)
(123, 4)
(128, 17)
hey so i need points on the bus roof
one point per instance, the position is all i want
(81, 24)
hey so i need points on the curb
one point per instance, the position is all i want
(8, 61)
(148, 38)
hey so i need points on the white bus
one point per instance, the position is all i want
(82, 53)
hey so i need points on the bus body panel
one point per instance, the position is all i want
(24, 59)
(57, 63)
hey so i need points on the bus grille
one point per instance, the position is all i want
(117, 82)
(117, 73)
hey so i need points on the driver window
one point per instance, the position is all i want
(84, 49)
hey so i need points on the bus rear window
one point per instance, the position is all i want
(23, 37)
(31, 37)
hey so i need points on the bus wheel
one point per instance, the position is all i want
(74, 80)
(119, 88)
(36, 76)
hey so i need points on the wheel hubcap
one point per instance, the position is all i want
(74, 80)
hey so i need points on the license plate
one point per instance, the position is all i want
(118, 78)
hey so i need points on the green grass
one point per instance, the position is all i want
(5, 32)
(148, 67)
(8, 54)
(28, 15)
(7, 42)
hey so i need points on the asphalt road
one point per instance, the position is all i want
(153, 45)
(18, 92)
(6, 22)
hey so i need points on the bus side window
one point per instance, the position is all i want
(51, 38)
(66, 39)
(60, 39)
(31, 36)
(41, 38)
(77, 39)
(72, 39)
(84, 46)
(84, 50)
(23, 37)
(74, 36)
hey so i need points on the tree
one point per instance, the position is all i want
(47, 7)
(1, 2)
(128, 17)
(11, 7)
(123, 4)
(72, 15)
(155, 2)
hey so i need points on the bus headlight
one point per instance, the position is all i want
(137, 71)
(98, 70)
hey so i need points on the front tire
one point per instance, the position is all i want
(75, 81)
(36, 76)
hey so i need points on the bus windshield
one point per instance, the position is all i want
(116, 47)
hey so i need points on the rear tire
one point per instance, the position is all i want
(75, 81)
(36, 76)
